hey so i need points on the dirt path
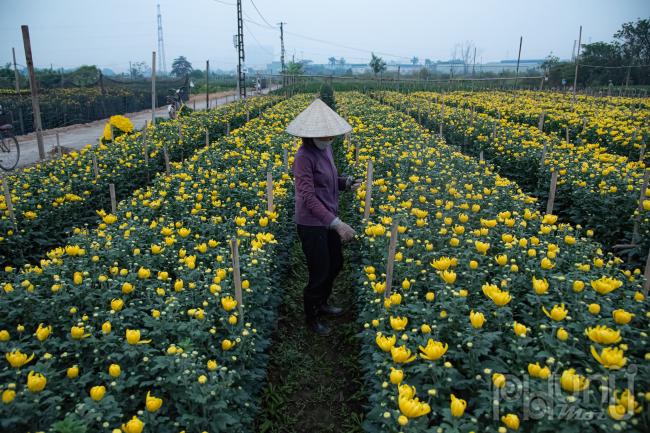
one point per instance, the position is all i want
(315, 383)
(77, 136)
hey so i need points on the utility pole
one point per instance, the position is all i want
(282, 45)
(282, 52)
(241, 59)
(20, 108)
(162, 65)
(521, 38)
(36, 107)
(575, 77)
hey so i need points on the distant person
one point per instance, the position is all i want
(317, 185)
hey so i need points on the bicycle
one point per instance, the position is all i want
(9, 147)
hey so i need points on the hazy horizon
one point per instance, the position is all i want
(70, 33)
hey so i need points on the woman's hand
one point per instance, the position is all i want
(345, 231)
(356, 184)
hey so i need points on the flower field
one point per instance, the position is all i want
(141, 307)
(498, 317)
(595, 189)
(489, 295)
(50, 199)
(620, 127)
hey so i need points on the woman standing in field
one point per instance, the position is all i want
(317, 186)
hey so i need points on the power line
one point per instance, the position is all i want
(258, 42)
(346, 46)
(260, 14)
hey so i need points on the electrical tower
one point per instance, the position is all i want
(162, 67)
(282, 45)
(241, 62)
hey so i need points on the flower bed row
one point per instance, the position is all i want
(499, 318)
(595, 189)
(619, 128)
(51, 198)
(135, 322)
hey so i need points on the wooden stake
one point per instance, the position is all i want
(95, 167)
(390, 262)
(567, 135)
(207, 137)
(366, 211)
(480, 155)
(543, 157)
(646, 274)
(637, 220)
(145, 145)
(248, 115)
(285, 159)
(33, 85)
(8, 202)
(236, 276)
(166, 156)
(153, 88)
(207, 85)
(111, 189)
(227, 128)
(540, 125)
(269, 191)
(551, 194)
(356, 152)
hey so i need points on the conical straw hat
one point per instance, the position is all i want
(318, 120)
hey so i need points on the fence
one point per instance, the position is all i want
(72, 104)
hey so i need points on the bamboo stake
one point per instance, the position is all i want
(227, 128)
(166, 156)
(356, 152)
(145, 145)
(642, 152)
(207, 137)
(366, 211)
(646, 274)
(637, 220)
(567, 135)
(269, 191)
(111, 189)
(540, 125)
(480, 155)
(390, 262)
(9, 203)
(95, 168)
(236, 276)
(551, 194)
(285, 159)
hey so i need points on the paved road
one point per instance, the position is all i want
(78, 136)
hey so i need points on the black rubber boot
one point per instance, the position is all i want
(318, 327)
(330, 310)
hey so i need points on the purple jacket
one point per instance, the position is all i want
(317, 186)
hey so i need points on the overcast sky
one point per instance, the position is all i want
(110, 33)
